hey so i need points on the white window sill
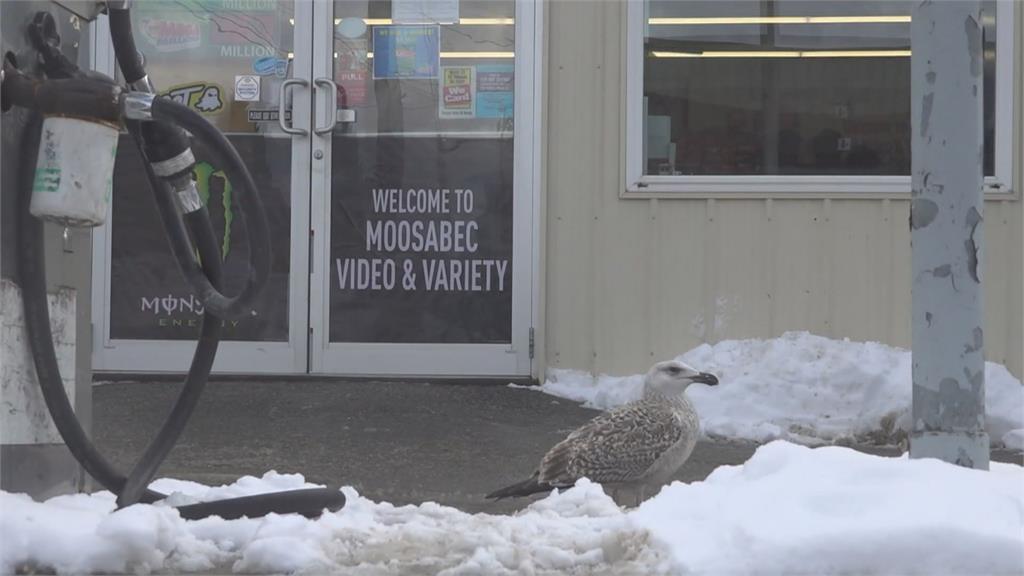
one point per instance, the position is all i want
(799, 187)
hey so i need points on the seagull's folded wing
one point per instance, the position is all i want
(617, 446)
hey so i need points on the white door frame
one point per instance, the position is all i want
(308, 349)
(110, 355)
(452, 360)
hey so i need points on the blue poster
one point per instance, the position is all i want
(406, 51)
(495, 86)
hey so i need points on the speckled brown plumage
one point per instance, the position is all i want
(635, 448)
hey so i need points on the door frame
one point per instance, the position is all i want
(448, 360)
(306, 351)
(142, 356)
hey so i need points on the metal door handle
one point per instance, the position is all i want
(281, 106)
(333, 115)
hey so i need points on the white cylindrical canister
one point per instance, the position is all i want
(74, 171)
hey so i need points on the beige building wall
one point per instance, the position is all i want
(627, 281)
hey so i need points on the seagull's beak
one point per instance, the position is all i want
(705, 378)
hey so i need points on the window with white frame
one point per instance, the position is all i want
(788, 95)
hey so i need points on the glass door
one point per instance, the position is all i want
(243, 64)
(422, 174)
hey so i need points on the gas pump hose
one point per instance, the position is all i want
(205, 273)
(32, 266)
(164, 143)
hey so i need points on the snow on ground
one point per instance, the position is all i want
(789, 509)
(797, 510)
(581, 528)
(1014, 439)
(803, 388)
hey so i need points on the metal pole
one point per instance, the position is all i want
(946, 240)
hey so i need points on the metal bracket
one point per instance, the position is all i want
(346, 115)
(85, 9)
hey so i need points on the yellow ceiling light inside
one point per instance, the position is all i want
(784, 54)
(469, 54)
(725, 20)
(462, 21)
(478, 54)
(856, 54)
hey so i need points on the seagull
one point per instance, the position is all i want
(630, 450)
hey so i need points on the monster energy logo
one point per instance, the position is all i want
(204, 173)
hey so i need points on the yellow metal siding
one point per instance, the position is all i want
(626, 281)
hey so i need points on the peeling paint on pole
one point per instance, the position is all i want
(26, 419)
(946, 234)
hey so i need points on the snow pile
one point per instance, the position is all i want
(803, 388)
(184, 492)
(789, 509)
(581, 529)
(796, 510)
(1014, 439)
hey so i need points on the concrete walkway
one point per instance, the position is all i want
(397, 441)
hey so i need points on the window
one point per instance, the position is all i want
(788, 96)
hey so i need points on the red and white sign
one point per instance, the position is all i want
(171, 35)
(458, 92)
(351, 74)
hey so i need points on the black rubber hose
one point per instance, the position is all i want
(252, 214)
(156, 141)
(32, 272)
(128, 58)
(163, 142)
(308, 502)
(209, 336)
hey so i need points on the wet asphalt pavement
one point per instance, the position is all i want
(404, 442)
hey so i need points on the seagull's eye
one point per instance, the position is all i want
(674, 370)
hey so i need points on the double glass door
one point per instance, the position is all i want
(392, 145)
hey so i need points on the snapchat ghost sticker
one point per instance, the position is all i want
(210, 100)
